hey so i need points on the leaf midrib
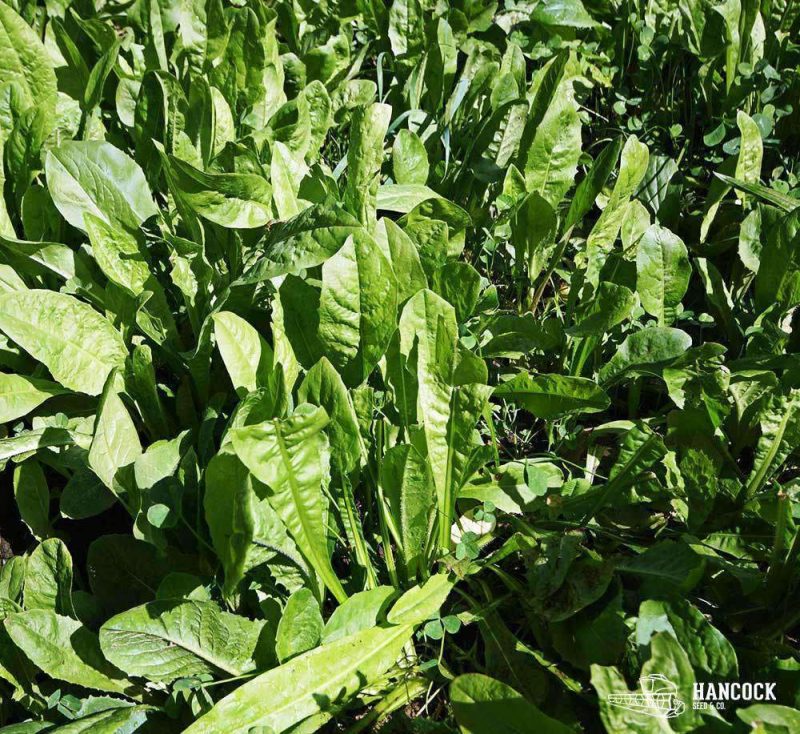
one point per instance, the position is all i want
(760, 477)
(319, 563)
(313, 684)
(181, 643)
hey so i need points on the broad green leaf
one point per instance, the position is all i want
(483, 704)
(509, 658)
(246, 530)
(632, 168)
(498, 142)
(65, 650)
(14, 666)
(778, 278)
(291, 457)
(117, 253)
(750, 244)
(646, 351)
(234, 200)
(50, 257)
(668, 565)
(296, 326)
(634, 224)
(409, 487)
(364, 158)
(514, 485)
(429, 323)
(730, 11)
(12, 582)
(327, 61)
(751, 149)
(514, 336)
(120, 258)
(322, 386)
(552, 160)
(442, 220)
(662, 273)
(470, 368)
(99, 74)
(533, 231)
(655, 186)
(403, 198)
(284, 354)
(566, 13)
(717, 191)
(300, 628)
(610, 305)
(746, 172)
(10, 281)
(448, 412)
(230, 513)
(706, 646)
(770, 718)
(116, 442)
(553, 396)
(406, 27)
(77, 345)
(34, 440)
(459, 284)
(155, 502)
(420, 603)
(640, 449)
(33, 497)
(286, 174)
(48, 578)
(27, 727)
(353, 93)
(770, 196)
(143, 389)
(307, 240)
(84, 495)
(243, 350)
(169, 639)
(308, 684)
(114, 720)
(441, 62)
(594, 635)
(96, 178)
(780, 436)
(357, 308)
(403, 256)
(6, 226)
(359, 612)
(569, 581)
(547, 83)
(180, 585)
(409, 158)
(25, 62)
(402, 380)
(315, 96)
(260, 69)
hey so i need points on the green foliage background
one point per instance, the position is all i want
(418, 366)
